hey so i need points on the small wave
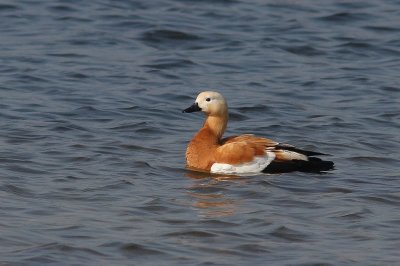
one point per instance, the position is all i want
(114, 186)
(139, 250)
(170, 63)
(192, 233)
(62, 8)
(26, 170)
(168, 35)
(17, 190)
(74, 19)
(67, 126)
(223, 2)
(382, 29)
(77, 75)
(78, 159)
(369, 159)
(391, 89)
(387, 199)
(8, 7)
(67, 55)
(357, 44)
(131, 24)
(236, 116)
(344, 17)
(95, 113)
(289, 234)
(44, 249)
(352, 214)
(258, 108)
(253, 248)
(305, 50)
(32, 78)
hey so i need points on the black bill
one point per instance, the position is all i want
(193, 108)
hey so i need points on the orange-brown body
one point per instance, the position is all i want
(207, 147)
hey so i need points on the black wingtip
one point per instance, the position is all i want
(301, 151)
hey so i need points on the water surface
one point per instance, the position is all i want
(92, 136)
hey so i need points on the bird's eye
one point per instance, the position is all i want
(208, 99)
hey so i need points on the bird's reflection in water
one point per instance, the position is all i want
(210, 196)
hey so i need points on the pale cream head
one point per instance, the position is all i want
(212, 103)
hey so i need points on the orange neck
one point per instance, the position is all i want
(201, 149)
(217, 125)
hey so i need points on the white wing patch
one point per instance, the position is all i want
(255, 166)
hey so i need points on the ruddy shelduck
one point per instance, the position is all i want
(244, 154)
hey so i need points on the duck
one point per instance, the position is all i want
(209, 151)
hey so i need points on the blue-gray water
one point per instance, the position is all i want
(92, 136)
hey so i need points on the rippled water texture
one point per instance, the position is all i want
(93, 138)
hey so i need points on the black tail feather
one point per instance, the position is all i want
(292, 148)
(313, 165)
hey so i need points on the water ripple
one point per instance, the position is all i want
(93, 136)
(8, 7)
(288, 234)
(133, 250)
(344, 17)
